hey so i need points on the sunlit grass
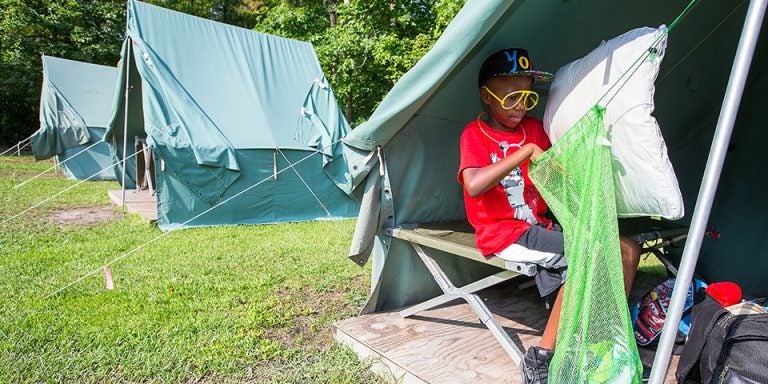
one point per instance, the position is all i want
(226, 304)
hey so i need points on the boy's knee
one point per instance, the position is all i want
(630, 250)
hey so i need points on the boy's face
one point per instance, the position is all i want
(505, 119)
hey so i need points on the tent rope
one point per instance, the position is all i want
(702, 40)
(61, 163)
(178, 226)
(28, 143)
(17, 145)
(65, 190)
(305, 184)
(651, 51)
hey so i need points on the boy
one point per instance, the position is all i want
(502, 204)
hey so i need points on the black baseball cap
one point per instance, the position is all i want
(511, 62)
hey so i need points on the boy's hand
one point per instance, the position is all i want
(535, 151)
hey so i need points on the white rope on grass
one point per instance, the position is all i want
(65, 190)
(9, 149)
(18, 150)
(17, 145)
(60, 163)
(178, 226)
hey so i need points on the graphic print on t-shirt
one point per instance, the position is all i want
(514, 187)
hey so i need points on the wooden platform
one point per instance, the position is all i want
(449, 344)
(141, 202)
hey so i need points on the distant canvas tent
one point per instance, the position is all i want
(416, 129)
(75, 105)
(220, 105)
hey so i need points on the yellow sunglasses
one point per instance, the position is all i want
(529, 99)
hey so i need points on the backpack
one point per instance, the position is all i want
(728, 345)
(648, 314)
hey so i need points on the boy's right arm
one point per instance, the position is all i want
(479, 180)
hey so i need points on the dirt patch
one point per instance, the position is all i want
(85, 216)
(310, 330)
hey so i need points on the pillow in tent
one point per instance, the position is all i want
(645, 181)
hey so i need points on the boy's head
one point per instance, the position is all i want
(505, 81)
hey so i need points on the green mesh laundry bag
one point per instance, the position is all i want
(595, 343)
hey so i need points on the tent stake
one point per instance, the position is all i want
(714, 167)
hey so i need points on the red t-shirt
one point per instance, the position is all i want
(504, 212)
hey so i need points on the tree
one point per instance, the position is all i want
(364, 46)
(80, 30)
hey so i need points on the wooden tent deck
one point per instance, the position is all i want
(449, 344)
(141, 202)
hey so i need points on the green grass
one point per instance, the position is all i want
(227, 304)
(651, 265)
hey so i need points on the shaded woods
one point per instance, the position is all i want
(364, 46)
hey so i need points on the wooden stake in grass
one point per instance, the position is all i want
(108, 277)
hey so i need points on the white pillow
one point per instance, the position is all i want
(645, 181)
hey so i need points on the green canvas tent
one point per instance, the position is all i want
(219, 106)
(75, 105)
(414, 133)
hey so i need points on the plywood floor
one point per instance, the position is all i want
(140, 202)
(449, 344)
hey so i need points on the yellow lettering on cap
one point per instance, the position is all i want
(523, 61)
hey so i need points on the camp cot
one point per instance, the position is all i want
(75, 106)
(220, 107)
(405, 157)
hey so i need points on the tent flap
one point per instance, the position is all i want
(322, 125)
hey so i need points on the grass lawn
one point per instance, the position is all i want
(228, 304)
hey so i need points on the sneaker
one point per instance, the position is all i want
(536, 365)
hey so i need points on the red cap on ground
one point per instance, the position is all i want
(725, 293)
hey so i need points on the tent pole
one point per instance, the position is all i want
(125, 118)
(744, 53)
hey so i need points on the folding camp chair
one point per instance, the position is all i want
(458, 238)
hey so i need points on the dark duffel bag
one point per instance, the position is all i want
(726, 345)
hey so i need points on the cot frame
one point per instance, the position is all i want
(458, 239)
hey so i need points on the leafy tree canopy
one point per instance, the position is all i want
(364, 46)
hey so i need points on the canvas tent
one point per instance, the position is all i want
(405, 157)
(75, 105)
(219, 105)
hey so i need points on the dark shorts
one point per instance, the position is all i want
(552, 273)
(543, 240)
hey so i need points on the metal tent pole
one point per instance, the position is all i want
(728, 111)
(125, 118)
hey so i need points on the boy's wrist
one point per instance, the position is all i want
(529, 148)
